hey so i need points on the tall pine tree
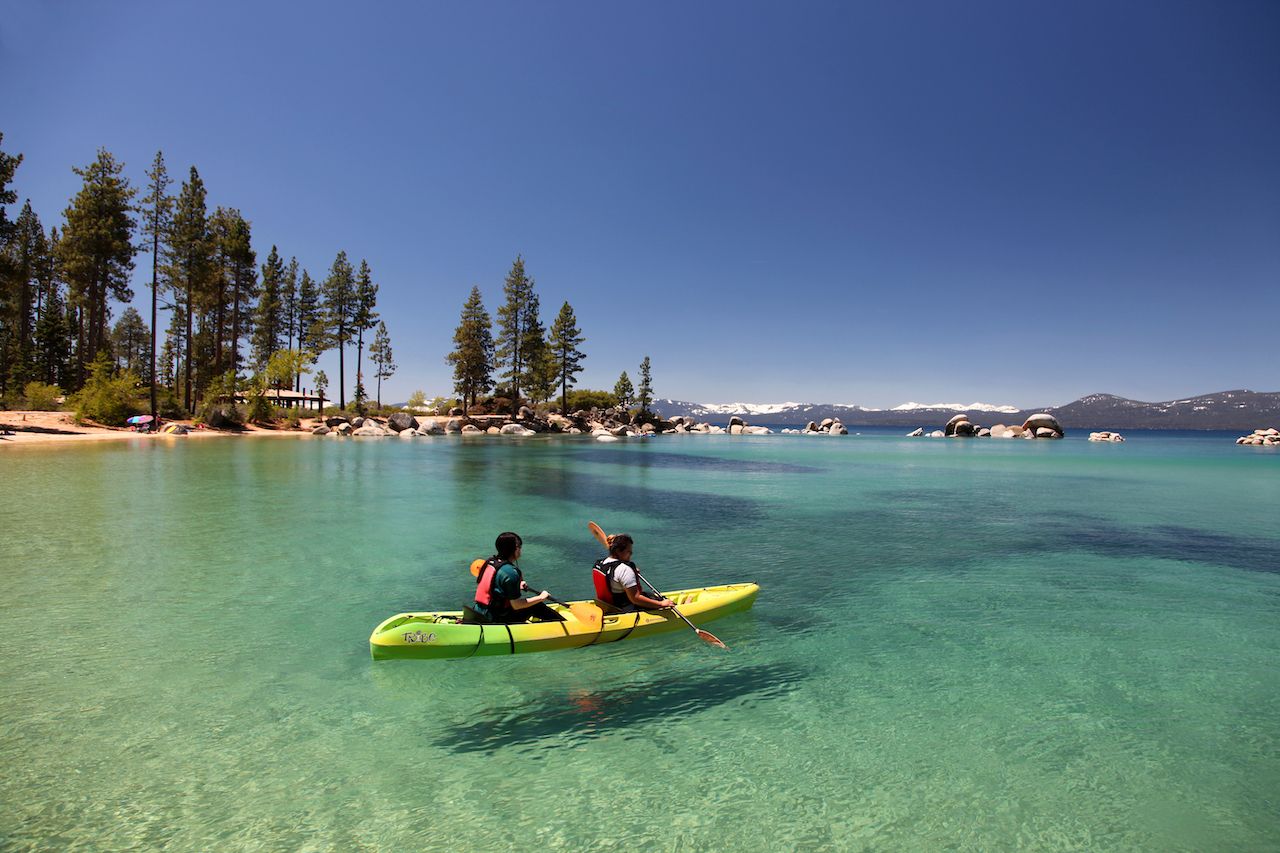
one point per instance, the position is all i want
(268, 320)
(9, 297)
(26, 259)
(624, 390)
(340, 308)
(472, 356)
(289, 303)
(96, 250)
(513, 319)
(363, 319)
(566, 338)
(190, 272)
(644, 396)
(540, 369)
(382, 356)
(130, 343)
(157, 219)
(310, 323)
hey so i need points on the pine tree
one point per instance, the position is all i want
(96, 250)
(130, 343)
(322, 385)
(472, 356)
(363, 319)
(172, 362)
(645, 394)
(567, 359)
(540, 370)
(52, 339)
(8, 167)
(289, 304)
(624, 391)
(268, 319)
(340, 307)
(236, 286)
(26, 258)
(310, 327)
(512, 320)
(190, 270)
(9, 298)
(156, 223)
(380, 352)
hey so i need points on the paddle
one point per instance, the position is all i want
(581, 610)
(705, 636)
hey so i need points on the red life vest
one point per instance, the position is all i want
(602, 577)
(486, 592)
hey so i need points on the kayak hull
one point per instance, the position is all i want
(442, 635)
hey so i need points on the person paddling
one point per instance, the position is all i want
(616, 581)
(500, 585)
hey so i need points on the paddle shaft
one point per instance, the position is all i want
(672, 608)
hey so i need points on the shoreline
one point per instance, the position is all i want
(41, 429)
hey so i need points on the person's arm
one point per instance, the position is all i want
(509, 586)
(522, 603)
(639, 599)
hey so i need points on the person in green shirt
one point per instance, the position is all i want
(500, 588)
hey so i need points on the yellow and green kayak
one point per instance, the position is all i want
(445, 635)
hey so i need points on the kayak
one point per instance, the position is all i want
(445, 635)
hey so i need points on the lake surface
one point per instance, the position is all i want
(968, 645)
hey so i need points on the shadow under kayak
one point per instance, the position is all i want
(444, 635)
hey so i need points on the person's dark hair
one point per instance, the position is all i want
(618, 543)
(506, 544)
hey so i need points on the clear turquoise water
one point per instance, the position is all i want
(958, 645)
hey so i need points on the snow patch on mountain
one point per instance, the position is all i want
(958, 407)
(747, 408)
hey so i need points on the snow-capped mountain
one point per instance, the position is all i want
(957, 407)
(1243, 410)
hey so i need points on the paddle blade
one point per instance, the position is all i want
(598, 533)
(588, 614)
(711, 638)
(476, 565)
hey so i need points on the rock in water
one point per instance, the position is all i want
(1044, 420)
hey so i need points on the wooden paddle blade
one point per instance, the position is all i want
(711, 638)
(598, 533)
(588, 614)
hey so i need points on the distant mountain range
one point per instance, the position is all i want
(1231, 410)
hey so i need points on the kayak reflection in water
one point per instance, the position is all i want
(500, 586)
(617, 582)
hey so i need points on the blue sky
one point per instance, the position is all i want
(868, 203)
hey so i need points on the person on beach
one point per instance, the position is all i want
(500, 587)
(617, 582)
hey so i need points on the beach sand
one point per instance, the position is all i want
(29, 428)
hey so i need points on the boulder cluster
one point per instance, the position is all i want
(1261, 438)
(608, 424)
(829, 426)
(1106, 436)
(1042, 425)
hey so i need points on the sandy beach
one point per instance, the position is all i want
(56, 428)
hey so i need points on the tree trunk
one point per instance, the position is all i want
(186, 349)
(342, 387)
(155, 278)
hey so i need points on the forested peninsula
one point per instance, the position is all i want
(229, 339)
